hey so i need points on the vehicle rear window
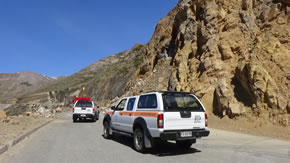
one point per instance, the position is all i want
(180, 101)
(83, 103)
(147, 101)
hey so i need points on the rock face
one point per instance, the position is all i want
(234, 55)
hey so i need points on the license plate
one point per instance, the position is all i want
(186, 134)
(83, 115)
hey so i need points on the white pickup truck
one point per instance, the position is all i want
(156, 116)
(84, 109)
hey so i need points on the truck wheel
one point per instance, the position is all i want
(95, 118)
(185, 144)
(74, 120)
(139, 140)
(106, 130)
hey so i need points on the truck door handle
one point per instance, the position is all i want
(130, 114)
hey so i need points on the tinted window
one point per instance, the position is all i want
(121, 105)
(147, 101)
(83, 103)
(131, 103)
(179, 101)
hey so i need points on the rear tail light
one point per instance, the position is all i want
(160, 121)
(206, 120)
(94, 110)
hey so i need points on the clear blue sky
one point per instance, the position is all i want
(60, 37)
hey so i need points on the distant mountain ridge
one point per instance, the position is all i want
(19, 83)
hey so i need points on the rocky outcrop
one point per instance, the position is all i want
(232, 54)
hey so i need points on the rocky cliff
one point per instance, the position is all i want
(234, 55)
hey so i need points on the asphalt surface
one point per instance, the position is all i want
(67, 142)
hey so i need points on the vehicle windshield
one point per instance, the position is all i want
(83, 103)
(180, 101)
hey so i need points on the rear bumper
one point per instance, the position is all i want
(83, 116)
(176, 134)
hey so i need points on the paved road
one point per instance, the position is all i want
(67, 142)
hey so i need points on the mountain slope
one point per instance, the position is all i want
(17, 84)
(103, 80)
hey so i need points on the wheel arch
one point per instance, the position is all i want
(107, 118)
(141, 123)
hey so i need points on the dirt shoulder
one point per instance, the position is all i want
(250, 126)
(12, 127)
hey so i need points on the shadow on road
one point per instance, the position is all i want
(161, 149)
(85, 121)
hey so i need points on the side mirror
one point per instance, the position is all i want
(113, 108)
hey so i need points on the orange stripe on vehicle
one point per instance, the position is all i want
(143, 114)
(110, 113)
(146, 114)
(126, 113)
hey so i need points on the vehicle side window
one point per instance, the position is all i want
(131, 103)
(147, 101)
(121, 105)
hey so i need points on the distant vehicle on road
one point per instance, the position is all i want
(158, 116)
(84, 109)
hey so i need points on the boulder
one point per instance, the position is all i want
(53, 111)
(282, 103)
(236, 109)
(27, 114)
(41, 110)
(58, 109)
(2, 115)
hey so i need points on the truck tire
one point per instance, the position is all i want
(139, 140)
(106, 130)
(95, 118)
(74, 120)
(185, 144)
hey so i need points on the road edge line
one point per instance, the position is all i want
(3, 148)
(12, 143)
